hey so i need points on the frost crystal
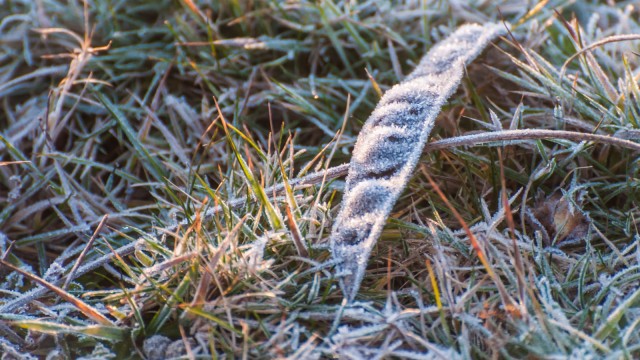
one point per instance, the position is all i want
(155, 347)
(390, 144)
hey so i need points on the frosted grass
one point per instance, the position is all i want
(390, 144)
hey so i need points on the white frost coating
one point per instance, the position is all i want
(390, 144)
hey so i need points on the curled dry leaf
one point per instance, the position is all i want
(560, 221)
(390, 144)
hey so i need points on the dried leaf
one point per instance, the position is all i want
(563, 223)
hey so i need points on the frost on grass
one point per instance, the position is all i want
(390, 145)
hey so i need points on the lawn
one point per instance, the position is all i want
(172, 173)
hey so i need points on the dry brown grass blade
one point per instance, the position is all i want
(295, 233)
(71, 274)
(518, 266)
(5, 163)
(83, 307)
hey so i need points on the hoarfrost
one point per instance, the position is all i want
(155, 347)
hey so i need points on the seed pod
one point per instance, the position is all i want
(389, 146)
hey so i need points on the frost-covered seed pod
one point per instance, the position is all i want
(390, 144)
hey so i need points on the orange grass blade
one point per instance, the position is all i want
(85, 308)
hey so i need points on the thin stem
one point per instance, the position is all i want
(529, 134)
